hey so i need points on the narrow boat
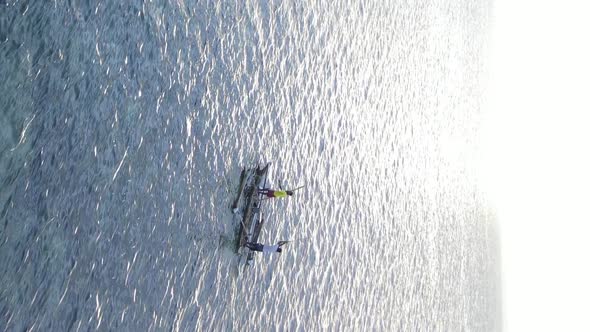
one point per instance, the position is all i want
(248, 204)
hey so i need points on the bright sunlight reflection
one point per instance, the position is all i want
(535, 161)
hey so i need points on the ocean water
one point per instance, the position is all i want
(124, 126)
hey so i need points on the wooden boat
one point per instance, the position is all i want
(248, 202)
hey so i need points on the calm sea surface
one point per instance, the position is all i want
(124, 126)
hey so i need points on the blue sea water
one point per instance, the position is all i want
(125, 124)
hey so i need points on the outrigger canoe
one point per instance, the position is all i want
(248, 202)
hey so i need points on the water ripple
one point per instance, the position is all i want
(125, 126)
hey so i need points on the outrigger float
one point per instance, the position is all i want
(248, 204)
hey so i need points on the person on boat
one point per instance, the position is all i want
(270, 193)
(265, 248)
